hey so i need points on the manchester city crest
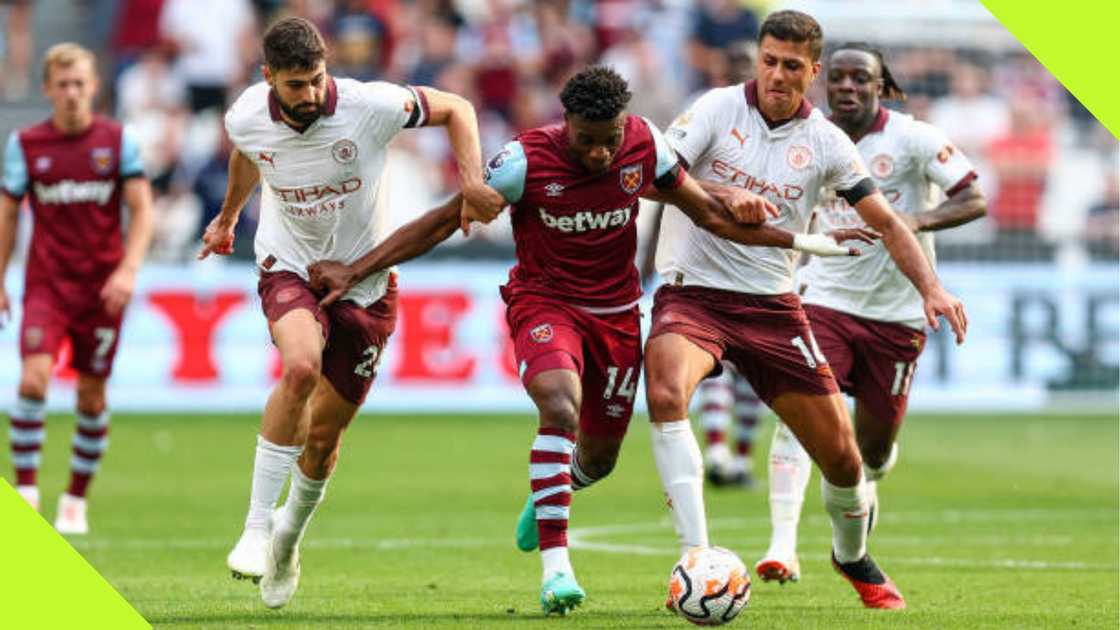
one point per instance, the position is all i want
(344, 151)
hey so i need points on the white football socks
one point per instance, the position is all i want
(681, 468)
(555, 560)
(848, 509)
(271, 467)
(790, 468)
(291, 522)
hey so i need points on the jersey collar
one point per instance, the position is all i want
(750, 89)
(330, 103)
(877, 126)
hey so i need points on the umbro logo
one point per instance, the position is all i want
(554, 189)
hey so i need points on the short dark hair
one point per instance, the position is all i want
(794, 26)
(891, 89)
(293, 44)
(595, 93)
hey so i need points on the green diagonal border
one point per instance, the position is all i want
(45, 583)
(1077, 42)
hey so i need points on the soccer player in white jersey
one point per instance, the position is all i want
(318, 144)
(865, 315)
(725, 302)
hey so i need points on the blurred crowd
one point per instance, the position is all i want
(170, 67)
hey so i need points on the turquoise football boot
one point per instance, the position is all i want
(527, 539)
(561, 594)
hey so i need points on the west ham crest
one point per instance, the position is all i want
(344, 151)
(101, 159)
(630, 178)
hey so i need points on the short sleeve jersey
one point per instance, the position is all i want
(911, 162)
(575, 231)
(724, 138)
(322, 192)
(74, 186)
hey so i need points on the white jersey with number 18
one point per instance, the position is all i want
(907, 159)
(725, 138)
(322, 194)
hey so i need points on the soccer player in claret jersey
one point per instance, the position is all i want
(723, 301)
(78, 170)
(318, 146)
(866, 317)
(572, 298)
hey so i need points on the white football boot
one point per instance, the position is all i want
(29, 494)
(281, 573)
(71, 516)
(248, 558)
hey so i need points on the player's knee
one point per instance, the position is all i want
(91, 395)
(33, 386)
(666, 400)
(558, 409)
(598, 467)
(301, 375)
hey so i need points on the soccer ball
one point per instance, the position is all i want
(709, 586)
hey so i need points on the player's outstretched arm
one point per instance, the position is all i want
(963, 206)
(411, 240)
(480, 202)
(9, 220)
(708, 213)
(117, 291)
(243, 178)
(907, 254)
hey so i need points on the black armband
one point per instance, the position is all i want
(856, 193)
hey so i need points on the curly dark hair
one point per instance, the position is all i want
(595, 93)
(293, 44)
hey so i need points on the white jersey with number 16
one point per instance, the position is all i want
(725, 138)
(911, 162)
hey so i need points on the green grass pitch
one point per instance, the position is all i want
(988, 522)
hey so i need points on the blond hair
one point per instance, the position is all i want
(65, 55)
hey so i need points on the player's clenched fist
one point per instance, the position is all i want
(748, 207)
(217, 239)
(480, 203)
(332, 278)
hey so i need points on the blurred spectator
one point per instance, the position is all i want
(1102, 226)
(15, 77)
(210, 189)
(361, 41)
(656, 94)
(436, 51)
(716, 24)
(215, 41)
(1021, 159)
(151, 100)
(136, 30)
(972, 116)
